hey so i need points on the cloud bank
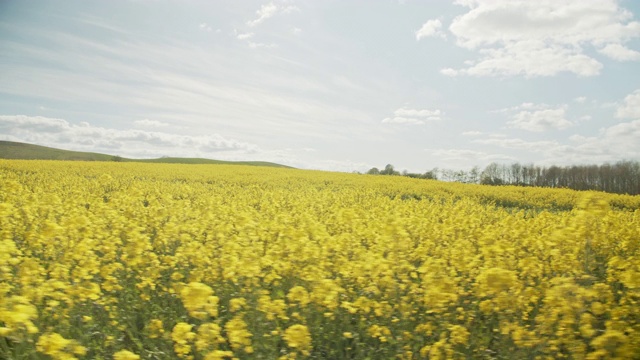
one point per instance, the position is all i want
(130, 142)
(540, 38)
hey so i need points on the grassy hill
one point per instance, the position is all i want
(23, 151)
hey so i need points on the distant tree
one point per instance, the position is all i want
(412, 175)
(431, 174)
(374, 171)
(389, 170)
(492, 175)
(474, 175)
(117, 158)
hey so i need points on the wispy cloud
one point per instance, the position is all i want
(266, 11)
(518, 144)
(127, 142)
(205, 27)
(269, 10)
(157, 85)
(245, 36)
(541, 120)
(620, 141)
(537, 117)
(413, 116)
(146, 123)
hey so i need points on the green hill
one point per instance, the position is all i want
(24, 151)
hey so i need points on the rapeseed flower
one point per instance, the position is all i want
(182, 337)
(199, 301)
(125, 355)
(298, 337)
(59, 348)
(238, 335)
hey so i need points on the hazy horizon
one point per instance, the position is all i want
(341, 86)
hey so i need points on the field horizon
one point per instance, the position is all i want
(26, 151)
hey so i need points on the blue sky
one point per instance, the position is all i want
(331, 85)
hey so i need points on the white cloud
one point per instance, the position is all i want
(269, 10)
(625, 130)
(413, 116)
(129, 142)
(541, 38)
(523, 106)
(580, 99)
(244, 36)
(265, 12)
(449, 72)
(532, 58)
(252, 44)
(630, 107)
(534, 146)
(149, 123)
(205, 27)
(541, 120)
(536, 117)
(472, 133)
(430, 28)
(620, 141)
(620, 53)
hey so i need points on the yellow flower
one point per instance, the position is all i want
(379, 332)
(458, 334)
(298, 337)
(59, 348)
(300, 295)
(614, 344)
(182, 337)
(18, 313)
(125, 355)
(237, 304)
(218, 355)
(199, 301)
(155, 328)
(209, 335)
(237, 333)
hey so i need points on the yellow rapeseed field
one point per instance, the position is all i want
(157, 261)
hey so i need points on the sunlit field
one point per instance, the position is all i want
(161, 261)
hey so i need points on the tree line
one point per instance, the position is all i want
(622, 177)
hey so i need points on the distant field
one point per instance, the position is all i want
(105, 260)
(23, 151)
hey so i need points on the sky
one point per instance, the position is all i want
(339, 85)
